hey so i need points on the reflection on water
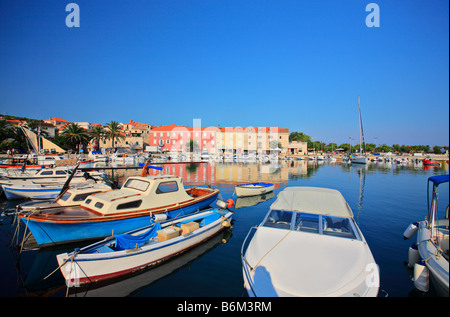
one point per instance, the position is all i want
(376, 192)
(278, 173)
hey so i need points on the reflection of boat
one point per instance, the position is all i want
(127, 253)
(119, 210)
(331, 256)
(429, 256)
(253, 189)
(428, 162)
(249, 201)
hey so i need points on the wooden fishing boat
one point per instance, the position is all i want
(140, 249)
(253, 189)
(120, 210)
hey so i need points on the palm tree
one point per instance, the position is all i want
(113, 131)
(76, 134)
(98, 133)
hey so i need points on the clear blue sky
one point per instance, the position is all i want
(290, 63)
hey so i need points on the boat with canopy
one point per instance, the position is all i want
(309, 244)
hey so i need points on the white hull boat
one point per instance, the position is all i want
(74, 196)
(359, 159)
(40, 191)
(253, 189)
(140, 249)
(309, 245)
(429, 256)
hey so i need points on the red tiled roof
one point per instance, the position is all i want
(57, 119)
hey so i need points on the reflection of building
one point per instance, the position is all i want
(250, 173)
(225, 173)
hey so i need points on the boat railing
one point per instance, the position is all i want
(245, 264)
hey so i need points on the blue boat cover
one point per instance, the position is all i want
(128, 241)
(151, 166)
(256, 184)
(438, 179)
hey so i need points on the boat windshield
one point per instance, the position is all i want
(136, 184)
(311, 223)
(65, 196)
(279, 219)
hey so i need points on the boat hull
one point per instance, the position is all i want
(91, 268)
(436, 263)
(48, 233)
(17, 192)
(359, 160)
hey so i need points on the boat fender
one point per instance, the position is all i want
(421, 276)
(230, 203)
(221, 204)
(159, 217)
(225, 222)
(413, 255)
(411, 230)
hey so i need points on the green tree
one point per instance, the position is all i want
(300, 136)
(98, 133)
(113, 131)
(384, 148)
(345, 147)
(437, 149)
(76, 135)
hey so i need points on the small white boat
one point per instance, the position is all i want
(429, 256)
(74, 196)
(253, 189)
(47, 175)
(27, 189)
(309, 245)
(359, 159)
(140, 249)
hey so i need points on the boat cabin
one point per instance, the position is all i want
(139, 193)
(313, 210)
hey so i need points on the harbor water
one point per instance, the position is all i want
(385, 199)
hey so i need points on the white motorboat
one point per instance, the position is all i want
(253, 189)
(47, 175)
(74, 196)
(27, 189)
(309, 245)
(429, 256)
(359, 159)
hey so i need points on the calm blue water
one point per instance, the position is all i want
(385, 199)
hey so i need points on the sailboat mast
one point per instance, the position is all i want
(359, 112)
(361, 132)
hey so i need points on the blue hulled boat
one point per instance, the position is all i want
(135, 205)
